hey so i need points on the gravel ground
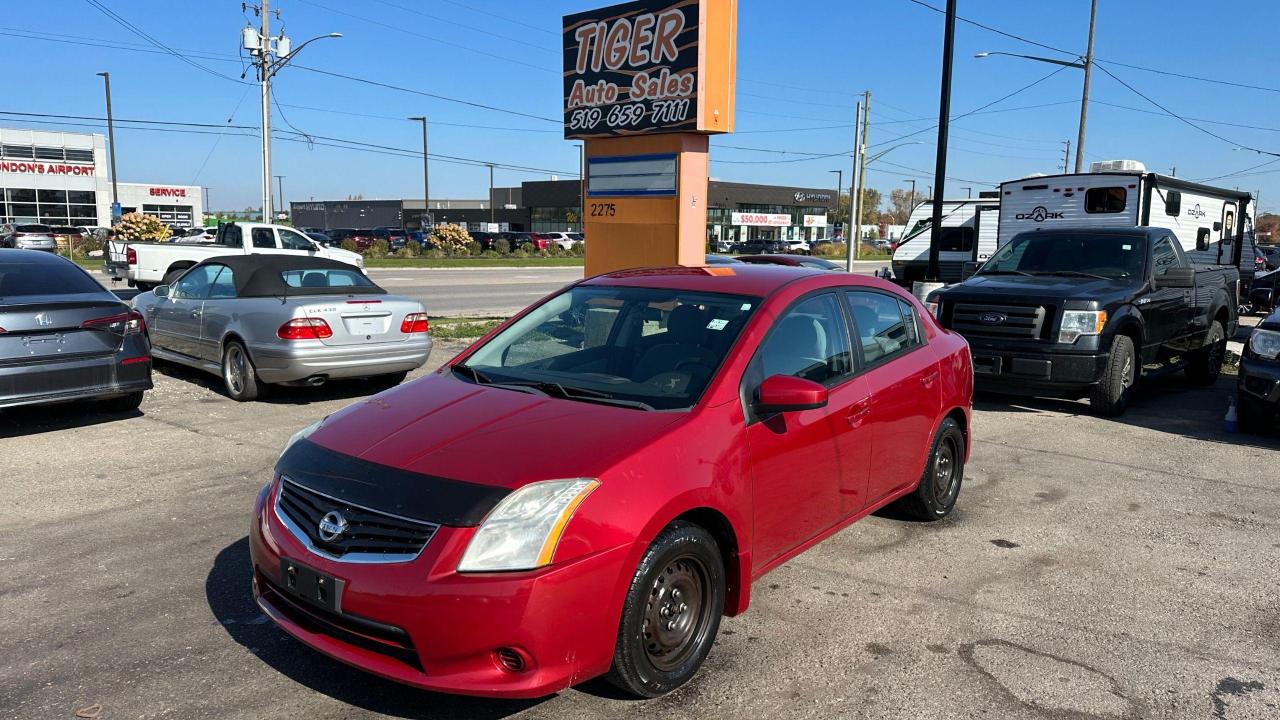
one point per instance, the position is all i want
(1093, 569)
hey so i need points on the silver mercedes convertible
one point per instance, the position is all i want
(260, 320)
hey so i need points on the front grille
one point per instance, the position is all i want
(370, 536)
(1016, 322)
(368, 634)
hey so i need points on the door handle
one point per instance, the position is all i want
(929, 379)
(195, 313)
(858, 412)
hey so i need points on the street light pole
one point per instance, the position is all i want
(856, 222)
(426, 177)
(853, 186)
(1084, 96)
(111, 138)
(944, 126)
(492, 217)
(912, 203)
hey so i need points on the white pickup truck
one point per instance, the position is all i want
(146, 265)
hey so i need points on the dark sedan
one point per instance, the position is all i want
(792, 261)
(1258, 383)
(64, 337)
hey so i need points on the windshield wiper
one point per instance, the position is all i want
(476, 376)
(1072, 273)
(576, 393)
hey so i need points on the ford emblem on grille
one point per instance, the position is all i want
(332, 525)
(991, 318)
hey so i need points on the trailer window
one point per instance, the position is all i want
(1105, 199)
(956, 239)
(1172, 203)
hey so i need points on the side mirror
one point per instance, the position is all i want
(969, 269)
(161, 291)
(1217, 226)
(787, 393)
(1177, 278)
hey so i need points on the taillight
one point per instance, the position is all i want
(127, 323)
(132, 256)
(415, 323)
(304, 329)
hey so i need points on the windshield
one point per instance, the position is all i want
(1057, 253)
(325, 278)
(639, 347)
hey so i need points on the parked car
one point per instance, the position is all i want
(757, 246)
(563, 239)
(146, 265)
(66, 337)
(1087, 312)
(487, 240)
(722, 260)
(323, 239)
(66, 236)
(340, 234)
(792, 261)
(423, 239)
(259, 320)
(683, 431)
(30, 237)
(520, 238)
(578, 237)
(394, 237)
(1258, 382)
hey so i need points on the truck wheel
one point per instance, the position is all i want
(144, 286)
(671, 613)
(239, 375)
(939, 486)
(1110, 397)
(1205, 364)
(172, 276)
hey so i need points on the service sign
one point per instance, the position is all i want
(634, 68)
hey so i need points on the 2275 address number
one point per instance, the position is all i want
(603, 210)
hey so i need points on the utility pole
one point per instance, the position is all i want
(426, 178)
(856, 221)
(968, 192)
(944, 127)
(491, 214)
(111, 139)
(1066, 156)
(1084, 96)
(911, 205)
(205, 198)
(280, 184)
(853, 186)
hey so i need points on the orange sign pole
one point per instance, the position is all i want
(646, 82)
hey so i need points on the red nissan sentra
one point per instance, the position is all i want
(684, 431)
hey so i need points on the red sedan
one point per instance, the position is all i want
(691, 429)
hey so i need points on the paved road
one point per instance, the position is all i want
(1093, 569)
(480, 291)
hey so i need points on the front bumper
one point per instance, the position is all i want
(1259, 381)
(423, 624)
(59, 380)
(281, 362)
(1017, 371)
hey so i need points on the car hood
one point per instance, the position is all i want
(344, 256)
(1048, 287)
(442, 426)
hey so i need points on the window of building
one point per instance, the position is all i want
(82, 156)
(52, 196)
(1105, 199)
(19, 152)
(21, 195)
(1173, 203)
(82, 197)
(49, 153)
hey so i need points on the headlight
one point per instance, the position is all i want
(522, 532)
(1265, 343)
(932, 307)
(302, 434)
(1081, 322)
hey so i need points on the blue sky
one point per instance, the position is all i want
(800, 65)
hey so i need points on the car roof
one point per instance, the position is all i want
(739, 279)
(259, 274)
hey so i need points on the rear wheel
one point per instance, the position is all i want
(672, 612)
(390, 380)
(939, 487)
(238, 374)
(123, 403)
(172, 276)
(1205, 364)
(1110, 397)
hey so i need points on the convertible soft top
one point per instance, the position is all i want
(262, 275)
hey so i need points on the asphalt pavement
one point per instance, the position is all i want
(1094, 568)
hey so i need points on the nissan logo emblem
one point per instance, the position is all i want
(991, 318)
(332, 525)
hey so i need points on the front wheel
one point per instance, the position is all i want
(238, 374)
(672, 612)
(122, 403)
(1204, 365)
(939, 487)
(1110, 397)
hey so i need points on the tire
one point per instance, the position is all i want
(144, 286)
(390, 380)
(1204, 365)
(172, 276)
(123, 403)
(1110, 397)
(935, 497)
(682, 566)
(239, 377)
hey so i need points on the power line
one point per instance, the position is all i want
(481, 30)
(846, 153)
(506, 18)
(1243, 173)
(401, 119)
(142, 34)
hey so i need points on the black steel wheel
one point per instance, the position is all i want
(935, 497)
(671, 614)
(1204, 364)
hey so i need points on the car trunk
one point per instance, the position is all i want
(359, 321)
(46, 328)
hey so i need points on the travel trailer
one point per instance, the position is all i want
(969, 229)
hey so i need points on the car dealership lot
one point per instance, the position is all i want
(1093, 568)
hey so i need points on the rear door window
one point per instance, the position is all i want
(263, 238)
(1105, 199)
(884, 329)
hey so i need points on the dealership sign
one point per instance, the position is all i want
(168, 192)
(815, 220)
(25, 167)
(761, 219)
(641, 67)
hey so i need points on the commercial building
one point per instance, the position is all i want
(735, 211)
(62, 178)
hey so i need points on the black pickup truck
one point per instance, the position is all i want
(1089, 312)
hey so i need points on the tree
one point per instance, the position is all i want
(870, 206)
(453, 239)
(900, 205)
(1267, 223)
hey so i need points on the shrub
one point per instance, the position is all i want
(577, 250)
(527, 249)
(452, 239)
(349, 245)
(474, 248)
(379, 248)
(865, 250)
(490, 254)
(520, 252)
(136, 227)
(830, 250)
(414, 247)
(503, 247)
(435, 254)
